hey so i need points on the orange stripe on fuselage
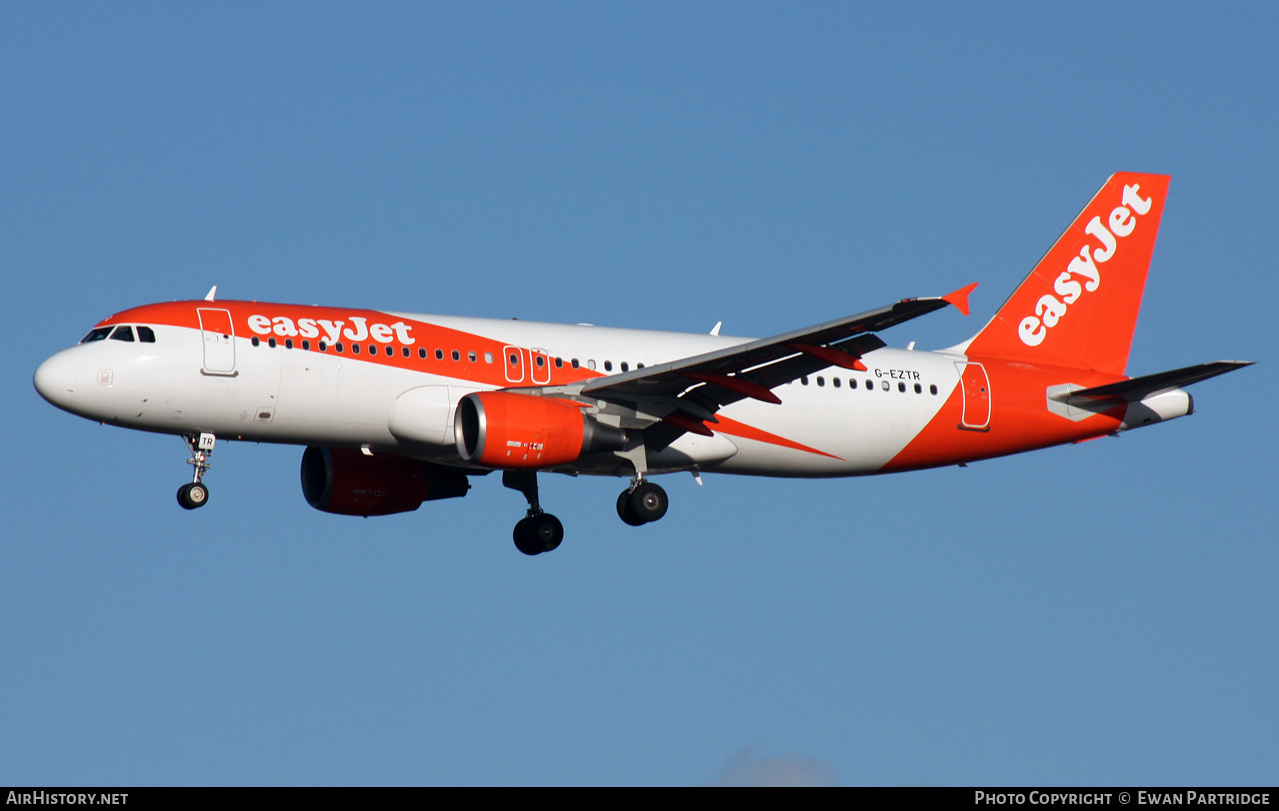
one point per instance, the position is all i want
(741, 429)
(423, 335)
(1019, 418)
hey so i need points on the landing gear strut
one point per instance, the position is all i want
(642, 503)
(538, 531)
(195, 494)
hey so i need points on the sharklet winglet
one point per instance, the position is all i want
(959, 298)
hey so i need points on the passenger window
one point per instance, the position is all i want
(123, 334)
(901, 387)
(590, 364)
(608, 364)
(457, 355)
(288, 343)
(541, 361)
(559, 363)
(870, 385)
(372, 349)
(884, 385)
(338, 347)
(271, 343)
(834, 381)
(146, 335)
(439, 354)
(471, 356)
(306, 344)
(355, 348)
(574, 363)
(323, 345)
(390, 350)
(514, 359)
(488, 357)
(804, 380)
(625, 367)
(256, 341)
(404, 351)
(919, 389)
(421, 353)
(98, 334)
(821, 381)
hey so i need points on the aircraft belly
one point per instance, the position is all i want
(693, 451)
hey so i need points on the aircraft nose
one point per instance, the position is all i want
(55, 379)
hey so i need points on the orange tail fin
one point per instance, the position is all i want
(1079, 306)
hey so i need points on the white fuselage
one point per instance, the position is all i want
(836, 422)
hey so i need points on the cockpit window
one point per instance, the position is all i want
(146, 335)
(98, 334)
(123, 334)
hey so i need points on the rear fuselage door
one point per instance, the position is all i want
(218, 334)
(976, 391)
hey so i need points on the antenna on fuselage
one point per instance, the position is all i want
(212, 291)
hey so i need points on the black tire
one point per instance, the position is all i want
(548, 531)
(624, 510)
(192, 496)
(525, 540)
(648, 502)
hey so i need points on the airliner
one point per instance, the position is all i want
(397, 408)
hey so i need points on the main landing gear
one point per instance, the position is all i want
(642, 503)
(196, 494)
(538, 531)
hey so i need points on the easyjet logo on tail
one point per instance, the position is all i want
(1082, 274)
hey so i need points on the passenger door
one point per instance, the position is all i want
(218, 333)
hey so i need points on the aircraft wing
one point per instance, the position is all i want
(705, 383)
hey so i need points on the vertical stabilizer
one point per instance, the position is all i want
(1079, 306)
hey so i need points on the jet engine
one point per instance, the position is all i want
(346, 482)
(507, 430)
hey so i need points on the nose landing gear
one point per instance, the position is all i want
(195, 494)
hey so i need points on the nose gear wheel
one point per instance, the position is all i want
(195, 494)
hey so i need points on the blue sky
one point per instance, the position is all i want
(1100, 614)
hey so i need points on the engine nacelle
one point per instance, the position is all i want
(346, 482)
(506, 430)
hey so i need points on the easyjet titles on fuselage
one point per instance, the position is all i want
(360, 329)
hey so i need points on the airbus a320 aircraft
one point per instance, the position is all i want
(397, 409)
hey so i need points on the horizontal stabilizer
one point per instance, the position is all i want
(1139, 388)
